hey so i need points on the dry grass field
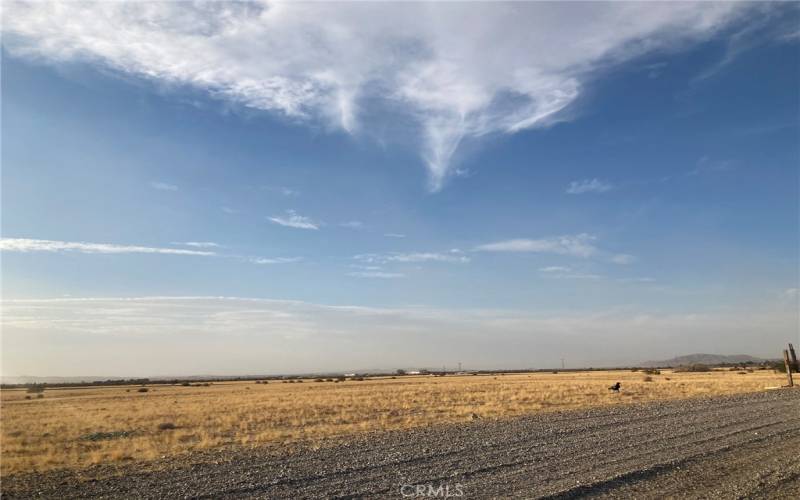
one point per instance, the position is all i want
(79, 427)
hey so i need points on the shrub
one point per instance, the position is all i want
(652, 371)
(142, 389)
(36, 388)
(778, 366)
(166, 426)
(648, 379)
(319, 380)
(186, 384)
(102, 436)
(693, 368)
(27, 397)
(39, 396)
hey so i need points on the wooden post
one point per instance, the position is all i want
(793, 359)
(788, 367)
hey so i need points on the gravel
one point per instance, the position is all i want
(743, 446)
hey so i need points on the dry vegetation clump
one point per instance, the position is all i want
(52, 432)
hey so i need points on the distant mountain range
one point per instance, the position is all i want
(704, 359)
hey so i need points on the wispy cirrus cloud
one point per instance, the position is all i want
(589, 186)
(394, 235)
(623, 258)
(375, 274)
(285, 191)
(331, 63)
(32, 245)
(643, 279)
(163, 186)
(275, 260)
(454, 256)
(198, 244)
(292, 219)
(555, 269)
(579, 245)
(564, 272)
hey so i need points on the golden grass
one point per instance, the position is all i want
(47, 433)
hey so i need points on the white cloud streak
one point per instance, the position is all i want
(453, 256)
(275, 260)
(555, 269)
(579, 245)
(292, 219)
(623, 259)
(198, 244)
(589, 186)
(25, 245)
(163, 186)
(375, 274)
(520, 67)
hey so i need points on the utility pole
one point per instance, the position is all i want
(793, 359)
(788, 365)
(459, 366)
(562, 363)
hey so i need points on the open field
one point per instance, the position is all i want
(75, 428)
(739, 446)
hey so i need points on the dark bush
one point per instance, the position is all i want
(36, 388)
(166, 426)
(693, 368)
(103, 436)
(142, 389)
(647, 379)
(652, 371)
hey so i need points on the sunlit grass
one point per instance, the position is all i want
(54, 431)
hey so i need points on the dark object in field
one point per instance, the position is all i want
(167, 426)
(101, 436)
(614, 387)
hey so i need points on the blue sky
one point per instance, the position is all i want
(544, 197)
